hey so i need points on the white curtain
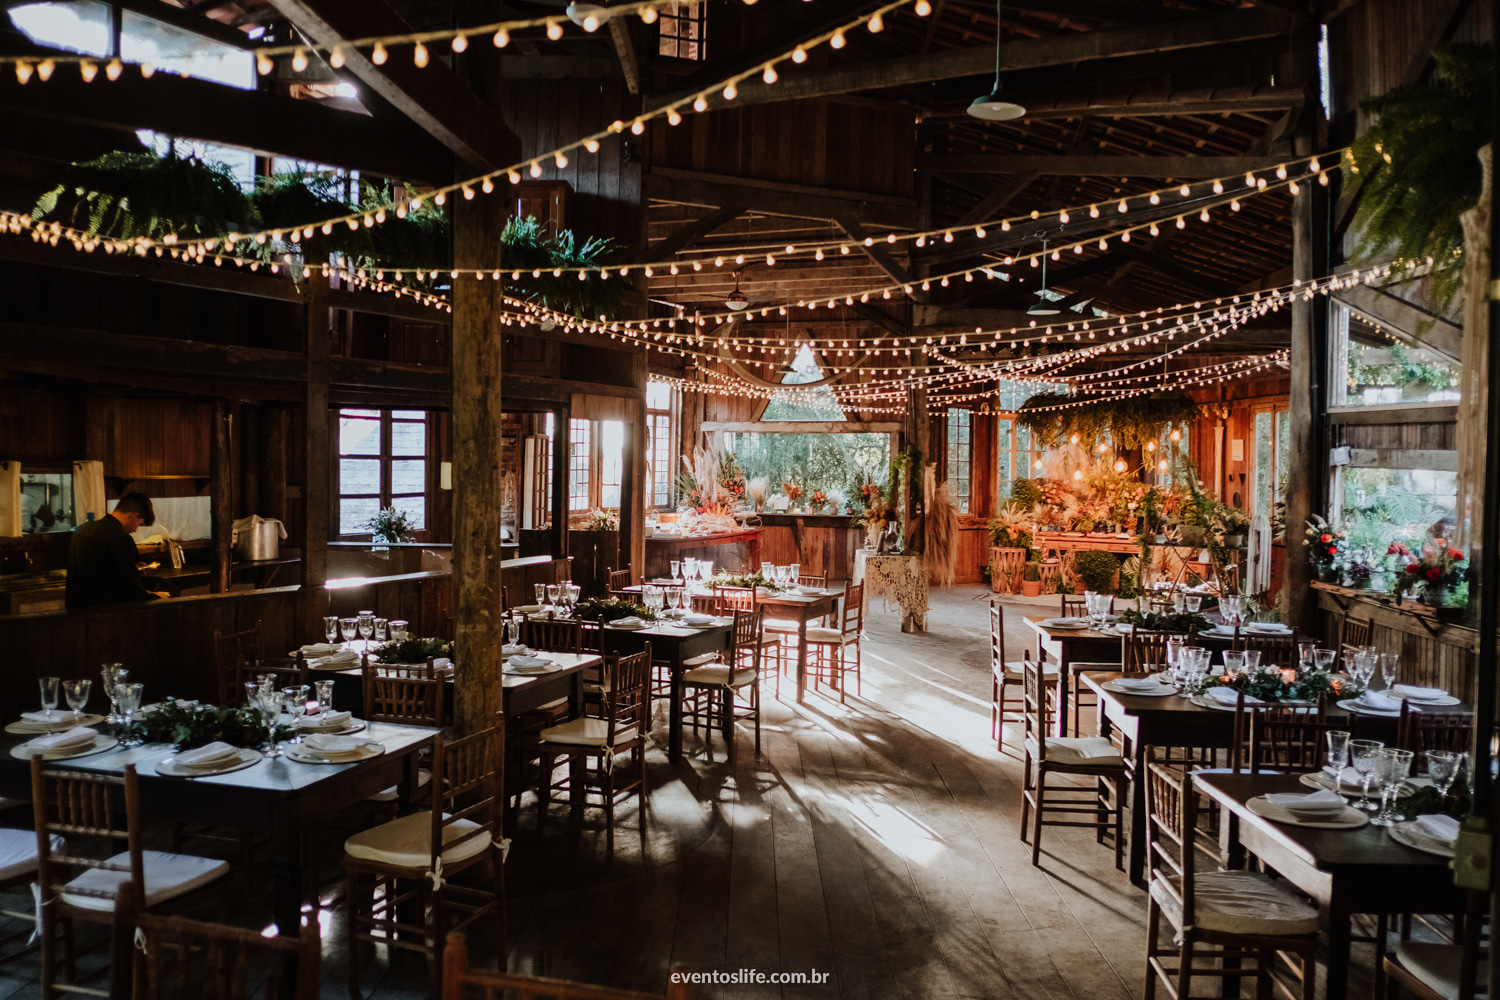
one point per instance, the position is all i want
(1260, 555)
(88, 491)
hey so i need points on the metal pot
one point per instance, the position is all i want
(259, 542)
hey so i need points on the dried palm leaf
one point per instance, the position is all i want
(939, 528)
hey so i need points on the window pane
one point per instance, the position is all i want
(359, 437)
(958, 459)
(359, 413)
(578, 465)
(359, 475)
(408, 476)
(659, 459)
(408, 414)
(1003, 454)
(416, 509)
(658, 396)
(355, 514)
(408, 438)
(611, 461)
(1262, 464)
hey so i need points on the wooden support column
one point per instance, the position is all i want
(1303, 449)
(477, 307)
(221, 494)
(316, 493)
(272, 499)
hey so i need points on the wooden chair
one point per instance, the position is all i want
(406, 698)
(1238, 915)
(1286, 740)
(1072, 606)
(728, 600)
(238, 661)
(712, 692)
(1005, 673)
(154, 958)
(1088, 756)
(556, 636)
(1433, 971)
(1425, 730)
(621, 729)
(619, 579)
(426, 851)
(460, 982)
(833, 645)
(1354, 632)
(80, 806)
(1275, 651)
(1146, 652)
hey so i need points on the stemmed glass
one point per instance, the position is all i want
(77, 693)
(382, 630)
(705, 569)
(49, 694)
(1442, 768)
(512, 632)
(574, 592)
(540, 589)
(1194, 604)
(553, 593)
(1234, 662)
(268, 699)
(294, 700)
(1363, 669)
(1252, 661)
(1389, 664)
(366, 626)
(331, 628)
(129, 695)
(689, 569)
(1365, 756)
(1323, 660)
(113, 674)
(793, 571)
(325, 698)
(1392, 770)
(349, 628)
(1305, 653)
(398, 628)
(676, 565)
(1338, 753)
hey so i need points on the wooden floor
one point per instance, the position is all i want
(873, 842)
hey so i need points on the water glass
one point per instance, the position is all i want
(331, 628)
(294, 700)
(512, 631)
(1234, 662)
(1338, 749)
(1392, 769)
(129, 695)
(689, 568)
(49, 693)
(1389, 663)
(325, 697)
(366, 625)
(268, 700)
(1194, 603)
(1323, 660)
(398, 629)
(1442, 768)
(676, 565)
(382, 629)
(1252, 661)
(553, 593)
(113, 673)
(349, 628)
(77, 693)
(705, 569)
(1305, 651)
(1175, 646)
(540, 590)
(1364, 756)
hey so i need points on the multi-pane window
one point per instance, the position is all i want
(611, 461)
(579, 440)
(680, 31)
(659, 454)
(959, 458)
(382, 463)
(1014, 458)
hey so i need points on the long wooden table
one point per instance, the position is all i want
(277, 797)
(1345, 871)
(521, 692)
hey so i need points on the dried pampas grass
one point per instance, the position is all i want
(939, 529)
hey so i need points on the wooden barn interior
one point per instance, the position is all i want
(893, 321)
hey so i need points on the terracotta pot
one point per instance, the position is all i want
(1031, 588)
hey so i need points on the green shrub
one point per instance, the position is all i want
(1096, 570)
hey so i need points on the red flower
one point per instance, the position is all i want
(1325, 538)
(1434, 574)
(1455, 555)
(1333, 550)
(1397, 549)
(1413, 569)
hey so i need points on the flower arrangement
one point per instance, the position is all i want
(1436, 569)
(1323, 546)
(191, 725)
(1277, 684)
(792, 489)
(414, 650)
(1011, 529)
(600, 520)
(1156, 621)
(609, 609)
(818, 500)
(756, 579)
(869, 495)
(389, 525)
(756, 489)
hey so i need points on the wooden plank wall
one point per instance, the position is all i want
(1410, 436)
(1432, 654)
(820, 549)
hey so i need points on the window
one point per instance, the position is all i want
(680, 31)
(382, 463)
(611, 461)
(1014, 457)
(1170, 460)
(1378, 370)
(660, 455)
(1271, 429)
(579, 440)
(959, 457)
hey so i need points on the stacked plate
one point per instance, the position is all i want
(322, 748)
(51, 722)
(629, 623)
(73, 742)
(529, 665)
(1421, 695)
(1065, 623)
(337, 723)
(1266, 628)
(1372, 703)
(214, 758)
(1320, 805)
(1149, 687)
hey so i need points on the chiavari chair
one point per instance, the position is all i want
(1007, 673)
(833, 645)
(721, 694)
(461, 982)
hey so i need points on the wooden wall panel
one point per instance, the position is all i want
(1439, 656)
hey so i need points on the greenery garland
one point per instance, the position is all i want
(1128, 422)
(190, 725)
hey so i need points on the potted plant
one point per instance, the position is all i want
(1323, 546)
(1097, 570)
(1031, 582)
(1438, 570)
(390, 525)
(1231, 524)
(817, 501)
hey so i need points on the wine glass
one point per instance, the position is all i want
(331, 628)
(77, 693)
(49, 693)
(366, 626)
(1194, 603)
(129, 695)
(252, 692)
(540, 590)
(1389, 663)
(398, 628)
(1393, 768)
(1365, 756)
(676, 565)
(325, 697)
(1323, 660)
(1338, 752)
(553, 593)
(793, 571)
(349, 628)
(268, 700)
(1364, 668)
(113, 673)
(1442, 768)
(705, 569)
(1234, 662)
(512, 632)
(1252, 661)
(294, 700)
(382, 630)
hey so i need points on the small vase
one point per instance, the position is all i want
(1328, 574)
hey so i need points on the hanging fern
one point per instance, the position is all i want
(1416, 168)
(526, 247)
(1129, 423)
(127, 196)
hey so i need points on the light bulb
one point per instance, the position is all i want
(554, 30)
(501, 39)
(379, 55)
(299, 60)
(837, 41)
(799, 55)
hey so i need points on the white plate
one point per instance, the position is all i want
(1350, 705)
(545, 668)
(1160, 691)
(1349, 819)
(1218, 706)
(64, 721)
(101, 743)
(1407, 833)
(297, 752)
(1067, 623)
(1265, 630)
(244, 757)
(1446, 699)
(352, 726)
(629, 628)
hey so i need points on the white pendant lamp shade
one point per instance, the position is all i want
(992, 107)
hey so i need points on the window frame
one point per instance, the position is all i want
(669, 416)
(690, 47)
(386, 497)
(962, 501)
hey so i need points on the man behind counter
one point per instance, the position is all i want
(102, 559)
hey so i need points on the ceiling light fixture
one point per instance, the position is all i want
(736, 301)
(1044, 306)
(992, 107)
(587, 15)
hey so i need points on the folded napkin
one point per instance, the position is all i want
(69, 738)
(320, 648)
(632, 620)
(808, 591)
(442, 663)
(1322, 800)
(326, 744)
(334, 660)
(333, 720)
(1405, 690)
(1137, 683)
(1377, 700)
(697, 619)
(1438, 827)
(509, 650)
(1348, 776)
(1229, 696)
(529, 661)
(206, 756)
(42, 718)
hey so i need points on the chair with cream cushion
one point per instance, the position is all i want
(721, 694)
(598, 741)
(830, 649)
(1236, 914)
(1434, 971)
(418, 856)
(83, 806)
(1086, 757)
(1005, 673)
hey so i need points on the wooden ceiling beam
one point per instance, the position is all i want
(799, 201)
(877, 252)
(267, 124)
(433, 98)
(1003, 194)
(1155, 104)
(1048, 51)
(685, 236)
(630, 65)
(1095, 166)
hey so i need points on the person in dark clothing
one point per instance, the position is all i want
(102, 559)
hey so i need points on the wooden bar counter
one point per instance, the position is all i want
(737, 551)
(824, 544)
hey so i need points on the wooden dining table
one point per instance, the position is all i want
(277, 797)
(521, 692)
(1345, 871)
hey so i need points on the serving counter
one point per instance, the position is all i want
(737, 551)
